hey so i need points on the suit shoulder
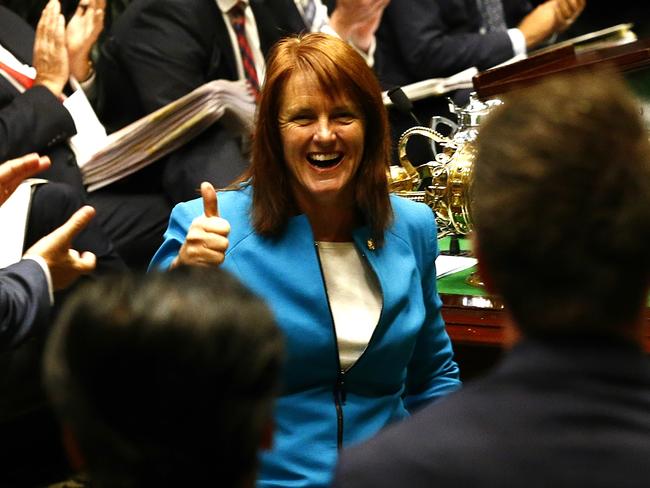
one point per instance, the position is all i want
(180, 11)
(410, 216)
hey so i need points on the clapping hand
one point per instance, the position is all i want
(50, 56)
(357, 20)
(207, 239)
(363, 32)
(81, 34)
(549, 18)
(567, 11)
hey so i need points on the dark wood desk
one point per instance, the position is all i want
(474, 320)
(479, 321)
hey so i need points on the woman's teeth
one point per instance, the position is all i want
(324, 160)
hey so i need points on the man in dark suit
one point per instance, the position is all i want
(562, 213)
(30, 292)
(26, 287)
(160, 50)
(33, 119)
(421, 39)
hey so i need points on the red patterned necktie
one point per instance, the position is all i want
(238, 21)
(24, 80)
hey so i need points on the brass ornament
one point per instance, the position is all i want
(445, 183)
(442, 184)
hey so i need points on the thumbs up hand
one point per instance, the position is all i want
(207, 239)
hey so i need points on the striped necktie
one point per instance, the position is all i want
(238, 21)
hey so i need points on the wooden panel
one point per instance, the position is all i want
(496, 81)
(479, 321)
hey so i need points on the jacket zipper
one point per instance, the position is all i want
(339, 386)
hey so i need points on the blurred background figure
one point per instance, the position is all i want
(165, 380)
(421, 39)
(568, 406)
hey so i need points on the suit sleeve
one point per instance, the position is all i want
(24, 302)
(432, 372)
(33, 121)
(430, 46)
(165, 51)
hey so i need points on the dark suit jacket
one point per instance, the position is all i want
(551, 415)
(160, 50)
(24, 301)
(37, 121)
(23, 127)
(420, 39)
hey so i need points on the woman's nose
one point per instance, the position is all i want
(325, 131)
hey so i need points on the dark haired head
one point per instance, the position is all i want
(562, 205)
(166, 379)
(338, 69)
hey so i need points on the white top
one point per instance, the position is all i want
(354, 298)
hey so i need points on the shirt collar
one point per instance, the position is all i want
(226, 5)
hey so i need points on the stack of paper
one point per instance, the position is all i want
(435, 86)
(446, 265)
(161, 132)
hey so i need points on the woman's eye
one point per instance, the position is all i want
(302, 119)
(344, 117)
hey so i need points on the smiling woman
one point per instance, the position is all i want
(322, 141)
(316, 77)
(348, 270)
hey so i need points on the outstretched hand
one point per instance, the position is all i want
(15, 171)
(548, 18)
(50, 56)
(363, 32)
(567, 11)
(207, 239)
(66, 264)
(81, 34)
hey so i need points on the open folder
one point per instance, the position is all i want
(161, 132)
